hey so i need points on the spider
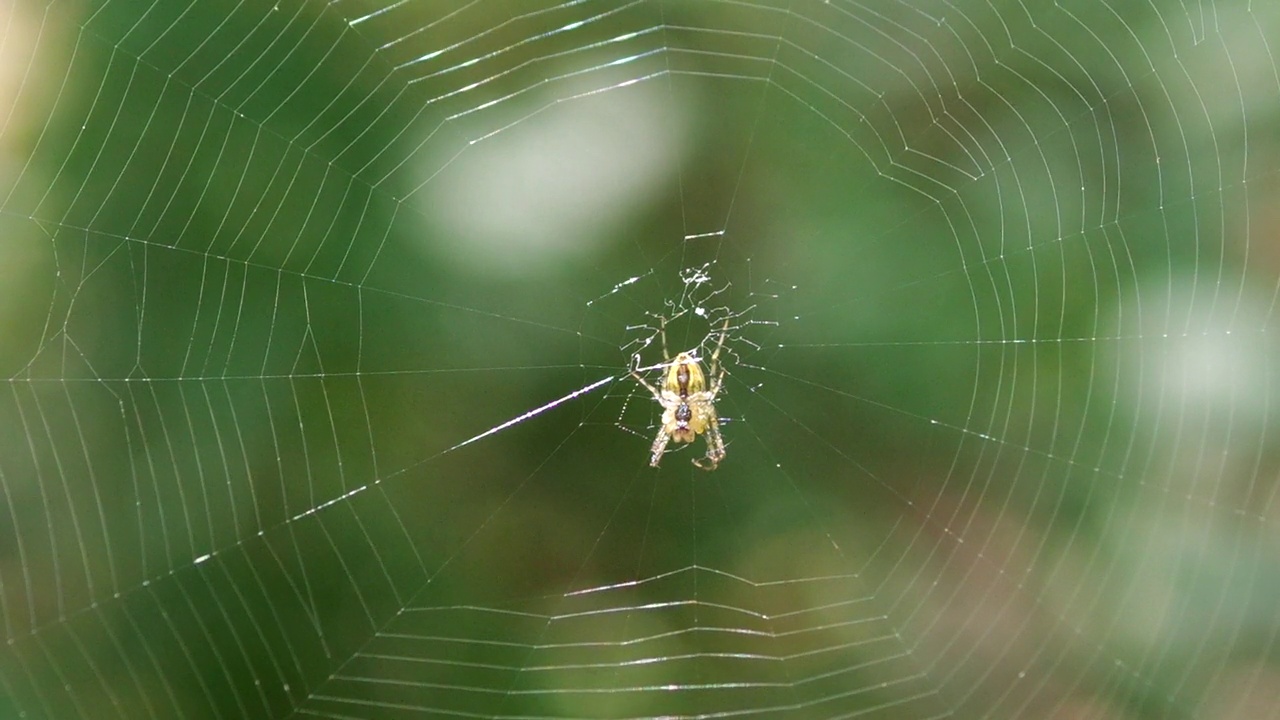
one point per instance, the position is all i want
(688, 401)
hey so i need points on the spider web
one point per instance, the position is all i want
(317, 322)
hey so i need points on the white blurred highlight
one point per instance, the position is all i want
(1203, 354)
(18, 34)
(556, 184)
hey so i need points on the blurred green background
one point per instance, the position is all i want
(1000, 287)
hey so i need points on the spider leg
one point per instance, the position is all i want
(715, 361)
(662, 330)
(640, 379)
(659, 445)
(715, 382)
(715, 446)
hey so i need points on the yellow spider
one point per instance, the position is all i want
(688, 401)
